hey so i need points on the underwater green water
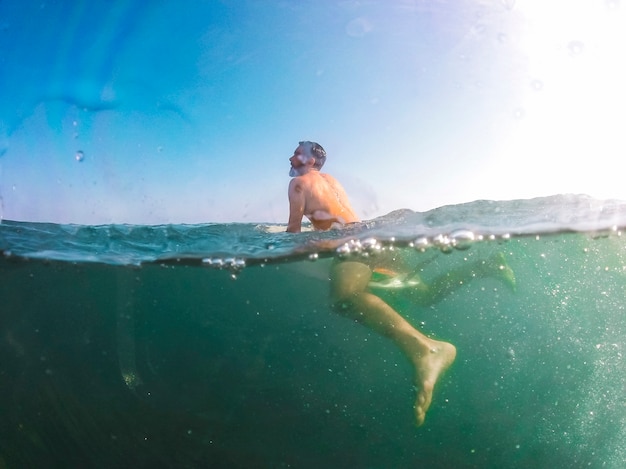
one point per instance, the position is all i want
(179, 366)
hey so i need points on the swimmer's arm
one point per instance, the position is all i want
(296, 206)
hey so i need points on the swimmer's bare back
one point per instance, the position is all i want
(321, 199)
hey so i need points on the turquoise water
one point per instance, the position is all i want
(215, 346)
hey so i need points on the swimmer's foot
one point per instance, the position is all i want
(503, 270)
(428, 368)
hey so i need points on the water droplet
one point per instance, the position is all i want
(576, 48)
(502, 38)
(80, 156)
(519, 113)
(537, 85)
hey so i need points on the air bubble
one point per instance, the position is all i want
(343, 250)
(232, 263)
(80, 156)
(371, 245)
(213, 262)
(314, 256)
(443, 243)
(229, 261)
(353, 246)
(462, 239)
(421, 243)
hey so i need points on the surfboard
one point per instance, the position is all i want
(279, 228)
(384, 279)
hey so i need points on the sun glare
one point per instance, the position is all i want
(573, 105)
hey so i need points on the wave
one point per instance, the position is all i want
(235, 245)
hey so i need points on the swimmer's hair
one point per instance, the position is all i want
(317, 152)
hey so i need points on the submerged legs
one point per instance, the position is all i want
(429, 357)
(349, 281)
(494, 266)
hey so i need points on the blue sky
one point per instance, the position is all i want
(187, 112)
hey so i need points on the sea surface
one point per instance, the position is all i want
(214, 345)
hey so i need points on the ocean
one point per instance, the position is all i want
(214, 345)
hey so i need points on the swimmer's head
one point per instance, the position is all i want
(313, 150)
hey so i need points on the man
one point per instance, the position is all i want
(324, 202)
(315, 195)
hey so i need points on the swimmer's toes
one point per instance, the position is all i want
(420, 413)
(422, 403)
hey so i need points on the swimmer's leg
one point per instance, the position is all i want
(495, 267)
(430, 358)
